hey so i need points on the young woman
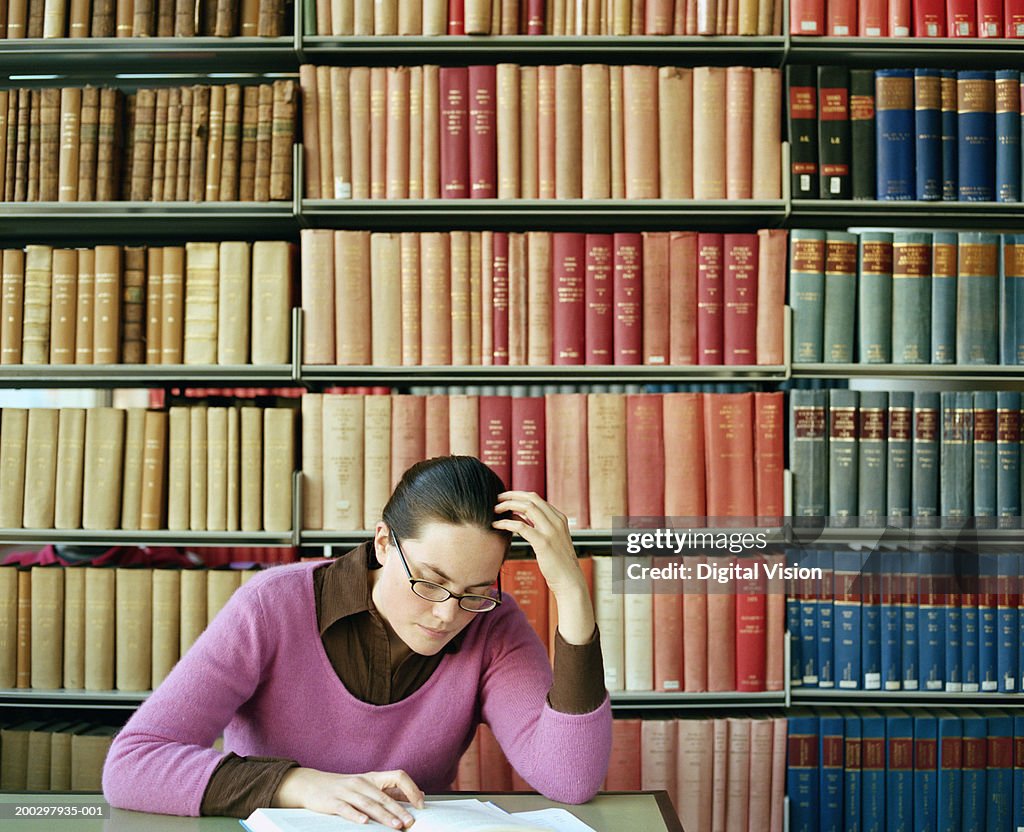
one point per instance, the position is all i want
(339, 687)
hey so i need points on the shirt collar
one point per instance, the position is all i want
(346, 586)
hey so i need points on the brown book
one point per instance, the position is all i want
(88, 144)
(126, 152)
(709, 132)
(124, 14)
(13, 443)
(386, 297)
(216, 469)
(84, 327)
(230, 146)
(224, 23)
(201, 133)
(675, 132)
(172, 305)
(397, 133)
(99, 628)
(185, 19)
(67, 512)
(341, 139)
(104, 452)
(103, 12)
(282, 139)
(435, 298)
(63, 312)
(233, 303)
(78, 19)
(107, 310)
(247, 150)
(70, 116)
(378, 132)
(215, 143)
(251, 492)
(271, 19)
(166, 626)
(154, 304)
(17, 17)
(13, 303)
(323, 116)
(568, 130)
(107, 156)
(508, 130)
(184, 153)
(169, 190)
(74, 629)
(143, 19)
(278, 465)
(35, 336)
(179, 433)
(767, 131)
(739, 104)
(133, 628)
(7, 126)
(640, 134)
(131, 478)
(165, 11)
(264, 126)
(24, 655)
(410, 301)
(133, 306)
(36, 12)
(197, 468)
(40, 468)
(359, 126)
(21, 153)
(312, 461)
(202, 277)
(271, 303)
(765, 17)
(8, 626)
(311, 128)
(34, 144)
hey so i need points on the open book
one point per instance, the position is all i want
(436, 816)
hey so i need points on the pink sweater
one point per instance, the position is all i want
(260, 675)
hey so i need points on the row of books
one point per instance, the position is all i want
(201, 303)
(893, 768)
(100, 629)
(197, 143)
(123, 19)
(908, 620)
(542, 298)
(537, 17)
(549, 132)
(595, 456)
(182, 469)
(898, 134)
(871, 456)
(903, 18)
(906, 297)
(53, 755)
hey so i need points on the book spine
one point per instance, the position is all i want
(571, 315)
(929, 19)
(899, 764)
(872, 429)
(803, 130)
(990, 18)
(873, 19)
(834, 132)
(985, 453)
(1008, 129)
(891, 635)
(925, 769)
(808, 448)
(894, 113)
(956, 471)
(842, 456)
(1008, 437)
(1007, 625)
(897, 489)
(740, 296)
(911, 297)
(841, 19)
(977, 298)
(976, 117)
(802, 773)
(1012, 301)
(899, 18)
(598, 299)
(807, 294)
(807, 17)
(961, 21)
(830, 760)
(862, 133)
(926, 454)
(944, 277)
(455, 139)
(950, 139)
(875, 298)
(848, 619)
(873, 770)
(928, 133)
(840, 296)
(482, 126)
(627, 296)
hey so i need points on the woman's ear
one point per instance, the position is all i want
(381, 541)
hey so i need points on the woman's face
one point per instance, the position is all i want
(460, 558)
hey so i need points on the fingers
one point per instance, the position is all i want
(365, 797)
(401, 781)
(531, 506)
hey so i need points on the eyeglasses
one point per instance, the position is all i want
(429, 591)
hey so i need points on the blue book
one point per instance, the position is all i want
(950, 191)
(975, 765)
(1020, 621)
(988, 622)
(970, 628)
(949, 784)
(1018, 772)
(872, 761)
(1007, 624)
(911, 297)
(984, 474)
(999, 772)
(926, 436)
(826, 629)
(874, 302)
(808, 452)
(793, 609)
(802, 773)
(926, 758)
(871, 458)
(892, 621)
(843, 463)
(1008, 456)
(911, 636)
(809, 625)
(830, 755)
(928, 133)
(1008, 146)
(944, 271)
(977, 338)
(899, 775)
(871, 622)
(976, 133)
(931, 622)
(899, 459)
(807, 294)
(1012, 344)
(848, 617)
(955, 497)
(840, 296)
(949, 593)
(853, 746)
(894, 131)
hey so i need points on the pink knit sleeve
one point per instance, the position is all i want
(563, 756)
(162, 759)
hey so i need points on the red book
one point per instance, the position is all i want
(740, 318)
(682, 297)
(627, 330)
(1013, 18)
(483, 136)
(873, 19)
(684, 445)
(408, 434)
(495, 772)
(456, 17)
(535, 17)
(842, 18)
(437, 427)
(528, 444)
(806, 17)
(454, 95)
(499, 298)
(899, 18)
(729, 454)
(668, 635)
(598, 291)
(656, 297)
(496, 434)
(721, 618)
(523, 580)
(710, 333)
(961, 21)
(695, 631)
(658, 755)
(929, 19)
(568, 276)
(624, 765)
(565, 456)
(990, 18)
(769, 441)
(645, 456)
(751, 627)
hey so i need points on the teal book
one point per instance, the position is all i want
(874, 302)
(911, 297)
(977, 300)
(842, 457)
(807, 294)
(956, 490)
(1008, 457)
(840, 296)
(808, 452)
(898, 457)
(984, 445)
(944, 269)
(872, 458)
(926, 454)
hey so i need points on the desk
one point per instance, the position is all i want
(608, 812)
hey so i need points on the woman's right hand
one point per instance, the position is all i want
(356, 797)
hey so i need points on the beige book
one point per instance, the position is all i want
(166, 628)
(171, 144)
(459, 261)
(341, 135)
(528, 113)
(385, 17)
(35, 337)
(60, 754)
(312, 461)
(151, 514)
(220, 586)
(478, 17)
(475, 295)
(216, 469)
(606, 449)
(172, 305)
(568, 132)
(617, 142)
(378, 131)
(748, 16)
(464, 425)
(86, 306)
(67, 512)
(200, 133)
(193, 607)
(765, 15)
(202, 277)
(14, 762)
(376, 457)
(13, 442)
(154, 303)
(359, 130)
(215, 143)
(8, 626)
(739, 130)
(54, 18)
(351, 264)
(24, 660)
(88, 751)
(596, 128)
(435, 426)
(508, 130)
(435, 298)
(178, 474)
(410, 17)
(386, 299)
(538, 298)
(13, 288)
(104, 457)
(609, 613)
(278, 465)
(231, 147)
(326, 132)
(134, 627)
(675, 132)
(74, 628)
(271, 329)
(234, 470)
(709, 132)
(37, 774)
(198, 458)
(106, 331)
(435, 17)
(640, 133)
(342, 444)
(134, 443)
(100, 591)
(486, 297)
(40, 468)
(638, 633)
(342, 17)
(70, 115)
(47, 627)
(412, 352)
(416, 132)
(317, 264)
(767, 162)
(252, 469)
(431, 132)
(517, 299)
(397, 133)
(233, 303)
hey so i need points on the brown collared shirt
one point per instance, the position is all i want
(355, 639)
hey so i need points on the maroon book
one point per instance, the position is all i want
(1013, 19)
(496, 435)
(567, 284)
(710, 332)
(961, 20)
(535, 10)
(456, 17)
(499, 298)
(740, 313)
(751, 628)
(528, 442)
(929, 19)
(483, 136)
(454, 93)
(598, 299)
(628, 328)
(645, 456)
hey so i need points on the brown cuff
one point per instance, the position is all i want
(578, 684)
(241, 785)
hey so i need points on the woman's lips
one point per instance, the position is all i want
(435, 633)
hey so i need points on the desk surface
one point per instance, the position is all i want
(608, 812)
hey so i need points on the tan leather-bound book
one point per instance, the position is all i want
(13, 444)
(437, 432)
(20, 178)
(107, 154)
(765, 17)
(747, 14)
(271, 328)
(23, 674)
(565, 415)
(459, 264)
(169, 189)
(655, 301)
(88, 751)
(341, 135)
(251, 491)
(464, 424)
(538, 298)
(606, 448)
(179, 445)
(106, 330)
(172, 305)
(547, 131)
(410, 17)
(311, 424)
(49, 144)
(732, 17)
(70, 127)
(8, 626)
(35, 335)
(134, 628)
(325, 126)
(596, 132)
(435, 17)
(249, 18)
(771, 295)
(282, 139)
(342, 465)
(617, 122)
(224, 19)
(508, 130)
(70, 470)
(154, 453)
(4, 113)
(436, 298)
(166, 626)
(675, 132)
(739, 101)
(13, 305)
(193, 607)
(517, 299)
(359, 127)
(397, 133)
(324, 15)
(60, 752)
(63, 312)
(185, 19)
(216, 469)
(34, 144)
(54, 18)
(100, 592)
(682, 335)
(568, 131)
(200, 133)
(767, 131)
(234, 518)
(220, 586)
(40, 468)
(264, 143)
(528, 118)
(408, 434)
(378, 132)
(478, 17)
(431, 132)
(154, 303)
(386, 298)
(10, 145)
(278, 465)
(363, 16)
(131, 491)
(233, 303)
(215, 143)
(125, 12)
(74, 628)
(142, 145)
(133, 306)
(410, 299)
(620, 17)
(197, 468)
(709, 132)
(376, 457)
(249, 142)
(165, 12)
(640, 134)
(202, 277)
(86, 305)
(475, 296)
(230, 149)
(317, 253)
(47, 627)
(37, 770)
(17, 17)
(184, 152)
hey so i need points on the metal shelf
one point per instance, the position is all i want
(827, 213)
(902, 698)
(82, 699)
(942, 53)
(972, 372)
(654, 701)
(142, 375)
(124, 537)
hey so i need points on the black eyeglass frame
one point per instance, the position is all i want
(414, 581)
